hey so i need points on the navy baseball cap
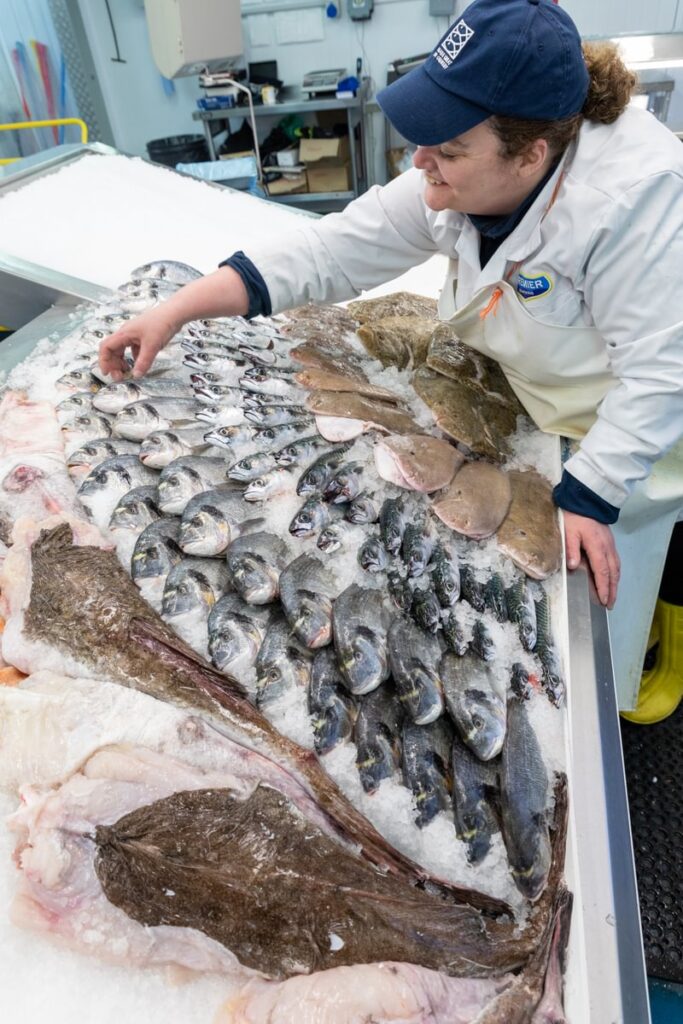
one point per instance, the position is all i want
(520, 58)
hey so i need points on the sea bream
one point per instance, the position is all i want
(283, 667)
(84, 459)
(475, 698)
(236, 632)
(193, 585)
(136, 510)
(377, 735)
(138, 420)
(255, 562)
(360, 620)
(78, 404)
(306, 593)
(414, 659)
(332, 710)
(187, 476)
(164, 446)
(426, 765)
(475, 783)
(156, 551)
(213, 519)
(112, 398)
(105, 485)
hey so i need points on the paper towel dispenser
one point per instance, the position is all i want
(188, 36)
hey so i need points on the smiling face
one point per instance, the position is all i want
(468, 174)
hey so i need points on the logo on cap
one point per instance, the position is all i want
(450, 47)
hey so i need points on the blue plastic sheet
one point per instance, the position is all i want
(237, 172)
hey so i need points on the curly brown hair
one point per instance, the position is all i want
(610, 89)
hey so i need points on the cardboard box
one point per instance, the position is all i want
(288, 185)
(328, 177)
(312, 150)
(288, 157)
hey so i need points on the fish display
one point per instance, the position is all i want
(324, 537)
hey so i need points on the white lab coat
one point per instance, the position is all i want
(609, 254)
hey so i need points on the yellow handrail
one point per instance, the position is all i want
(43, 124)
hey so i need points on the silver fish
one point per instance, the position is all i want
(136, 510)
(162, 447)
(417, 546)
(474, 782)
(315, 478)
(266, 383)
(426, 609)
(445, 576)
(272, 437)
(195, 584)
(140, 419)
(274, 482)
(414, 662)
(230, 435)
(332, 710)
(522, 610)
(345, 484)
(92, 453)
(281, 665)
(251, 467)
(187, 476)
(77, 381)
(255, 562)
(363, 510)
(167, 270)
(215, 362)
(482, 641)
(105, 485)
(392, 524)
(274, 415)
(331, 537)
(360, 621)
(471, 590)
(302, 451)
(377, 737)
(78, 404)
(114, 397)
(156, 550)
(372, 555)
(236, 631)
(306, 593)
(426, 765)
(553, 681)
(475, 698)
(213, 519)
(312, 517)
(455, 635)
(87, 427)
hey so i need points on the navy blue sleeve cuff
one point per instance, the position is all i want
(257, 289)
(573, 496)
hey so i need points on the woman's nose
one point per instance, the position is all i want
(423, 158)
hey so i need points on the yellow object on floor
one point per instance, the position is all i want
(661, 688)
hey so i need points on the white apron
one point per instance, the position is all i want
(560, 375)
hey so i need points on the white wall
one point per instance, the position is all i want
(140, 110)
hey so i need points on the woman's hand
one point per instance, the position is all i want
(597, 543)
(145, 336)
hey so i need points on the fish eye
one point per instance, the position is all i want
(273, 675)
(477, 721)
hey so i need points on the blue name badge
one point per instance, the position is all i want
(533, 287)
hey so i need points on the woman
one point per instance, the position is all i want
(561, 211)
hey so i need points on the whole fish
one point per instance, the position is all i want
(255, 400)
(138, 420)
(474, 782)
(360, 620)
(187, 476)
(392, 524)
(275, 415)
(255, 562)
(251, 467)
(482, 641)
(219, 415)
(494, 598)
(318, 474)
(167, 270)
(275, 482)
(215, 362)
(213, 519)
(136, 510)
(455, 635)
(162, 447)
(109, 481)
(86, 427)
(302, 451)
(236, 631)
(521, 681)
(92, 453)
(114, 397)
(269, 358)
(417, 546)
(524, 795)
(475, 698)
(372, 555)
(331, 537)
(522, 610)
(553, 681)
(311, 518)
(425, 609)
(306, 594)
(157, 550)
(267, 382)
(400, 590)
(78, 404)
(281, 666)
(195, 584)
(426, 765)
(363, 510)
(78, 380)
(274, 436)
(332, 710)
(230, 435)
(223, 396)
(345, 484)
(414, 662)
(445, 576)
(377, 735)
(471, 590)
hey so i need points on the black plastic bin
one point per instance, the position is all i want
(178, 149)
